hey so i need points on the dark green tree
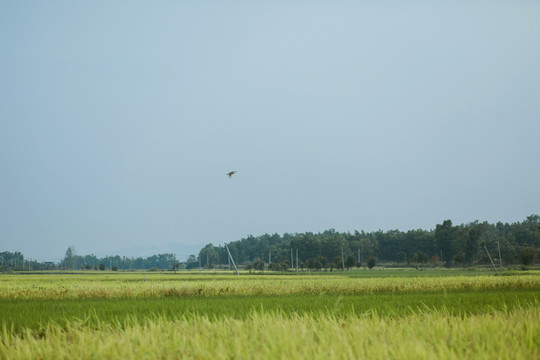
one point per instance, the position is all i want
(209, 256)
(338, 262)
(444, 237)
(258, 265)
(459, 258)
(401, 256)
(473, 241)
(323, 260)
(350, 262)
(422, 257)
(528, 255)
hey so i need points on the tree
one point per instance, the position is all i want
(419, 258)
(278, 266)
(401, 256)
(102, 266)
(473, 240)
(371, 262)
(350, 262)
(209, 255)
(531, 230)
(323, 260)
(422, 257)
(459, 258)
(258, 265)
(444, 236)
(192, 262)
(69, 258)
(435, 261)
(528, 255)
(308, 244)
(338, 263)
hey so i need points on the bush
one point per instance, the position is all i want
(258, 265)
(528, 256)
(350, 262)
(371, 262)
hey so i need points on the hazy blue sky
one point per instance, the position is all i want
(119, 120)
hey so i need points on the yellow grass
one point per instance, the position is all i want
(132, 285)
(504, 335)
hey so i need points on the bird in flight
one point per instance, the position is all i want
(231, 173)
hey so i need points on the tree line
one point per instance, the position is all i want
(71, 261)
(446, 245)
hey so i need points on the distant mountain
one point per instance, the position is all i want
(182, 251)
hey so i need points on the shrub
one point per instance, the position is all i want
(528, 256)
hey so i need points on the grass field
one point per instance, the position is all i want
(357, 314)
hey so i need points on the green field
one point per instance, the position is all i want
(356, 314)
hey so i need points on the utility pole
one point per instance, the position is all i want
(296, 260)
(231, 258)
(359, 259)
(500, 258)
(292, 261)
(342, 258)
(269, 257)
(490, 259)
(199, 264)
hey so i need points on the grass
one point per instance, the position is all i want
(379, 314)
(37, 313)
(130, 285)
(506, 335)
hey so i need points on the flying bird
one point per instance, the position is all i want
(229, 174)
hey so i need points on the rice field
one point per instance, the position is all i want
(352, 315)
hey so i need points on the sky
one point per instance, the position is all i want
(120, 119)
